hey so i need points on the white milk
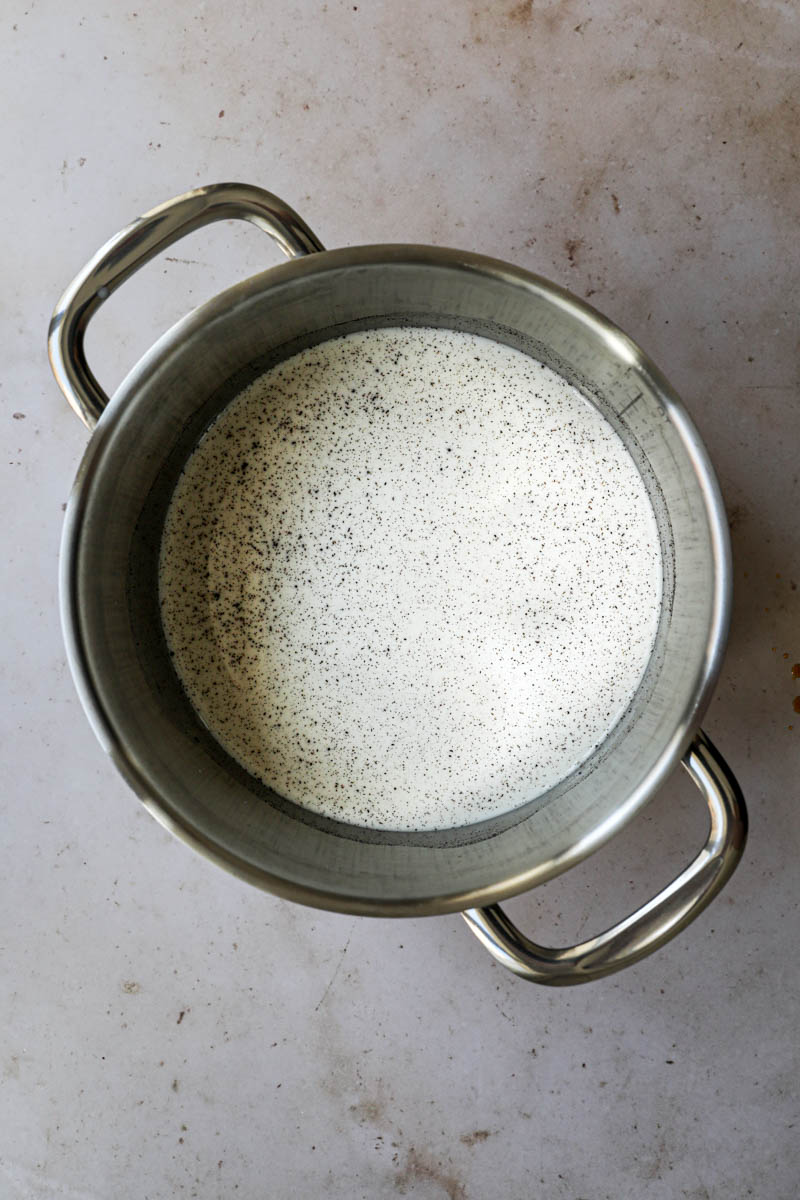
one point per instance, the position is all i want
(410, 578)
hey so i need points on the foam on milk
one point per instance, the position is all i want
(410, 578)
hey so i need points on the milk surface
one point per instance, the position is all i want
(410, 578)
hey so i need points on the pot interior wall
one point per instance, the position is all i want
(129, 472)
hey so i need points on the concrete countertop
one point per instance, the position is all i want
(167, 1031)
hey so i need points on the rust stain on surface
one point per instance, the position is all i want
(572, 246)
(369, 1110)
(478, 1135)
(521, 13)
(737, 515)
(422, 1168)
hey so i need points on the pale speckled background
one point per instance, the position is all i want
(165, 1031)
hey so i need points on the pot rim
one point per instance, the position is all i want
(355, 257)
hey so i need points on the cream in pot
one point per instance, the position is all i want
(410, 578)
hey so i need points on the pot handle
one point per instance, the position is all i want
(665, 915)
(136, 245)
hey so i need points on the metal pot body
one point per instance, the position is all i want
(112, 534)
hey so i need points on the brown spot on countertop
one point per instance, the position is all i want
(521, 13)
(796, 704)
(737, 515)
(221, 112)
(181, 1015)
(373, 1111)
(572, 246)
(615, 202)
(131, 986)
(18, 416)
(420, 1167)
(478, 1135)
(795, 670)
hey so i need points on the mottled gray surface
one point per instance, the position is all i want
(164, 1030)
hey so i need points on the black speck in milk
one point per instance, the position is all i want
(410, 578)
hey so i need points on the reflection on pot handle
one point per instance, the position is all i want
(136, 245)
(665, 915)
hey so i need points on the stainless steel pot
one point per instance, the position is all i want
(116, 647)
